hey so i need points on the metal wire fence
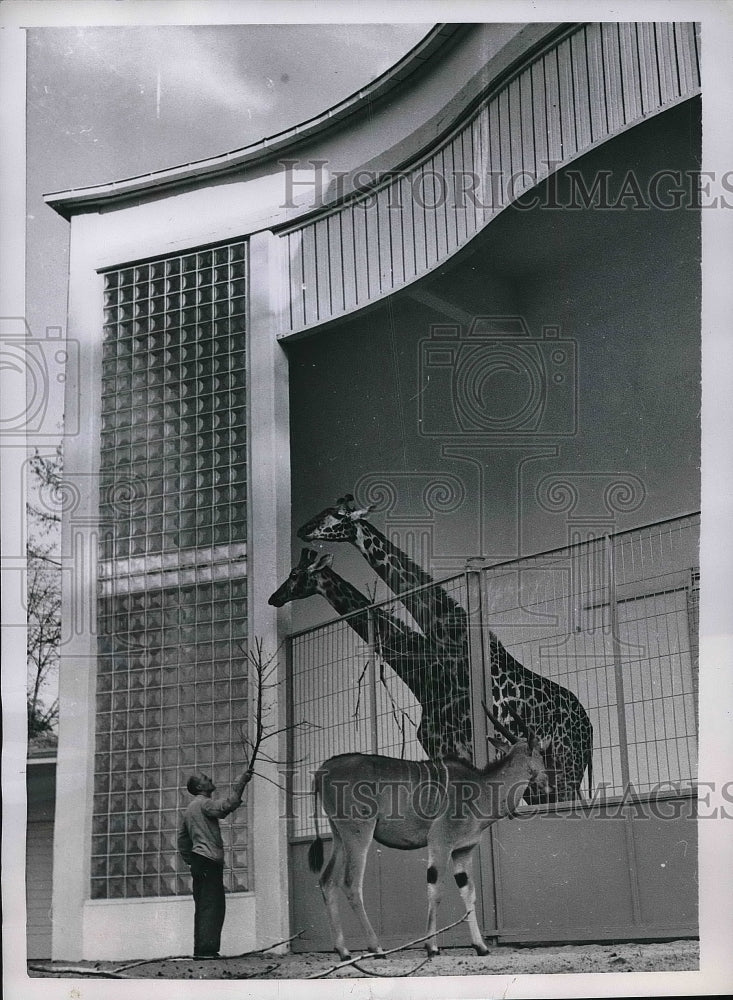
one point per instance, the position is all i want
(601, 632)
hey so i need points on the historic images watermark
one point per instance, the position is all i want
(394, 799)
(35, 369)
(458, 366)
(312, 185)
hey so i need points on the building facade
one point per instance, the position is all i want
(195, 295)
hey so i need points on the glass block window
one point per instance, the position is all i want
(172, 606)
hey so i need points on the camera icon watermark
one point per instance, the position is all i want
(35, 371)
(496, 379)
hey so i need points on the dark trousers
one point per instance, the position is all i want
(209, 903)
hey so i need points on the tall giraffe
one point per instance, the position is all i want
(550, 709)
(445, 725)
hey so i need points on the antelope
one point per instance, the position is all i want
(444, 805)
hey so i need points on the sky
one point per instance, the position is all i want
(104, 103)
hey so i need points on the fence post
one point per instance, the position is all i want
(477, 667)
(372, 673)
(489, 898)
(618, 669)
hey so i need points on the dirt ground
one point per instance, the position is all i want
(666, 956)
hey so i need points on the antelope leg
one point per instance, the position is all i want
(463, 874)
(331, 877)
(439, 856)
(357, 836)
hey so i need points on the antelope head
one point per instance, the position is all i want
(535, 746)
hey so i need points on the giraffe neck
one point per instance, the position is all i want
(398, 645)
(421, 665)
(340, 594)
(431, 607)
(396, 568)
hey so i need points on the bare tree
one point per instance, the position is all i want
(43, 596)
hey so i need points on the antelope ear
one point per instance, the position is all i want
(322, 561)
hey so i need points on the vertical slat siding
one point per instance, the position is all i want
(567, 100)
(454, 212)
(347, 243)
(596, 83)
(686, 58)
(667, 61)
(505, 149)
(527, 114)
(539, 118)
(361, 264)
(409, 241)
(419, 221)
(440, 211)
(372, 250)
(295, 256)
(386, 243)
(430, 196)
(458, 198)
(696, 45)
(310, 292)
(612, 77)
(495, 194)
(323, 269)
(336, 262)
(441, 206)
(630, 73)
(581, 95)
(648, 67)
(552, 108)
(481, 164)
(395, 219)
(592, 84)
(514, 135)
(386, 265)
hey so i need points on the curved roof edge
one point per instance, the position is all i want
(66, 203)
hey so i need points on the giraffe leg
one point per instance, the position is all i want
(463, 874)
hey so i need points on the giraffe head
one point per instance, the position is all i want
(334, 524)
(302, 580)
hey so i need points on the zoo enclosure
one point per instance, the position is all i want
(613, 619)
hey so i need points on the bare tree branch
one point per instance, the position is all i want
(253, 747)
(77, 970)
(187, 958)
(390, 951)
(392, 975)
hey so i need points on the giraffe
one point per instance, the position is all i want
(551, 710)
(445, 724)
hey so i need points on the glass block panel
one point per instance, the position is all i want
(172, 589)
